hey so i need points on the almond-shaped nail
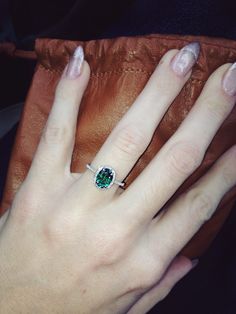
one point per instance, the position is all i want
(185, 58)
(75, 63)
(229, 81)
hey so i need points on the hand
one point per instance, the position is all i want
(67, 246)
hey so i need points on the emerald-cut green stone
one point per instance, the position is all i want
(104, 178)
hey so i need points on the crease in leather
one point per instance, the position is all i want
(120, 68)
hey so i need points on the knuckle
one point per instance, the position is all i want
(148, 194)
(25, 203)
(141, 281)
(157, 266)
(149, 276)
(53, 133)
(49, 234)
(63, 92)
(109, 246)
(161, 266)
(53, 234)
(146, 274)
(200, 204)
(130, 141)
(184, 158)
(145, 281)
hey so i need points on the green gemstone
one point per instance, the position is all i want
(104, 178)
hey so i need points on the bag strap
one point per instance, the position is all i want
(10, 49)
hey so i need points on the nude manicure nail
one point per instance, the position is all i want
(75, 63)
(229, 81)
(185, 58)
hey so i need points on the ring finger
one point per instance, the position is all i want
(132, 134)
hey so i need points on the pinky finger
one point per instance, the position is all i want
(194, 207)
(180, 266)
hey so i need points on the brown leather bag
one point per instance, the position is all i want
(119, 70)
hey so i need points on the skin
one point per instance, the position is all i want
(67, 247)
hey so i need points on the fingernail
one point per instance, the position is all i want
(75, 63)
(194, 262)
(229, 81)
(185, 58)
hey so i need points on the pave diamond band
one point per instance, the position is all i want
(104, 177)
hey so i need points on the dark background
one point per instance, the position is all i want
(211, 287)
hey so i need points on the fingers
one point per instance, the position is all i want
(177, 270)
(53, 155)
(183, 153)
(193, 208)
(133, 133)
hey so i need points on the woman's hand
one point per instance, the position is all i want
(67, 246)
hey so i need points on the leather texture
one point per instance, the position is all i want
(120, 68)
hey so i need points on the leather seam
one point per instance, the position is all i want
(99, 74)
(127, 70)
(172, 38)
(201, 41)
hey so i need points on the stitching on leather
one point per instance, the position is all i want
(48, 70)
(126, 70)
(232, 49)
(130, 70)
(99, 74)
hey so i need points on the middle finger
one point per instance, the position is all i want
(184, 151)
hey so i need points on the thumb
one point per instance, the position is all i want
(179, 267)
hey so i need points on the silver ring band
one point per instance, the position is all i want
(104, 177)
